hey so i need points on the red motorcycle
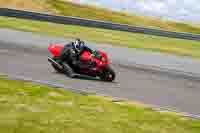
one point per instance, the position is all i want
(102, 69)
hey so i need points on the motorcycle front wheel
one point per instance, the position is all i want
(108, 74)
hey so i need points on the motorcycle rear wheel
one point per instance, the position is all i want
(56, 68)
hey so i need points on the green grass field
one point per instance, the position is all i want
(27, 107)
(62, 7)
(115, 38)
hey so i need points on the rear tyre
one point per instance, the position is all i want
(108, 74)
(56, 68)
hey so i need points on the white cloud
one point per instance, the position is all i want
(187, 10)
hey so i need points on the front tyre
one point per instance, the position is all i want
(108, 74)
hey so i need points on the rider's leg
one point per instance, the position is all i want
(63, 54)
(62, 60)
(68, 70)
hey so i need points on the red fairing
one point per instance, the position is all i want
(87, 56)
(55, 49)
(105, 56)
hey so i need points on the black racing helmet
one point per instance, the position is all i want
(78, 44)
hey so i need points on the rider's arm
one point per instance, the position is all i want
(88, 49)
(85, 48)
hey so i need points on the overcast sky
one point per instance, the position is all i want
(179, 10)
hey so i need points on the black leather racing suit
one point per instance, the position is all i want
(71, 56)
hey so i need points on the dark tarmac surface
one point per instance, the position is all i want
(156, 88)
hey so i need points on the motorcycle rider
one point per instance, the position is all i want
(73, 51)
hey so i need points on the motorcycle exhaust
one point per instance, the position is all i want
(54, 62)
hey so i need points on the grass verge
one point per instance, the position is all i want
(27, 107)
(64, 7)
(115, 38)
(68, 9)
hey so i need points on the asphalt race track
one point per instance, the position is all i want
(150, 87)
